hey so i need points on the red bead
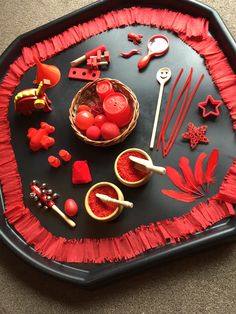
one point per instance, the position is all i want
(65, 155)
(84, 107)
(54, 161)
(70, 207)
(93, 132)
(109, 130)
(84, 120)
(99, 120)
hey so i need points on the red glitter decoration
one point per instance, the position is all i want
(196, 135)
(100, 208)
(210, 100)
(126, 168)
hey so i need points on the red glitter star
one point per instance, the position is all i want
(210, 100)
(196, 135)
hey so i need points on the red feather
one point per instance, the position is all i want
(211, 166)
(180, 196)
(188, 173)
(178, 180)
(198, 171)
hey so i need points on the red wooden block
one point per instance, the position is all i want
(83, 74)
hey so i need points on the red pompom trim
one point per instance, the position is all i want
(194, 32)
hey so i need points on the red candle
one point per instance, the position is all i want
(104, 88)
(117, 109)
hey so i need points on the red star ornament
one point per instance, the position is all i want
(196, 135)
(210, 100)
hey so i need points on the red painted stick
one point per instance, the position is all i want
(173, 137)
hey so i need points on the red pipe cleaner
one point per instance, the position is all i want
(171, 142)
(168, 106)
(186, 85)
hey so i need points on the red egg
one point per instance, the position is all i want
(109, 130)
(70, 207)
(99, 120)
(84, 120)
(84, 107)
(93, 132)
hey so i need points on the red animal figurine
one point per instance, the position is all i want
(33, 99)
(39, 138)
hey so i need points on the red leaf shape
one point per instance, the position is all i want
(198, 171)
(211, 166)
(180, 196)
(188, 174)
(177, 179)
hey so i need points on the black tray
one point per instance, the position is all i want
(91, 274)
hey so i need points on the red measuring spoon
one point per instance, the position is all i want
(157, 46)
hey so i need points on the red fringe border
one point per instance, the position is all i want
(194, 32)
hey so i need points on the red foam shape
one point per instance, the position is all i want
(83, 74)
(80, 172)
(196, 135)
(39, 137)
(203, 105)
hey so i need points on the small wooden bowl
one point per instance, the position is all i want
(87, 95)
(135, 184)
(116, 212)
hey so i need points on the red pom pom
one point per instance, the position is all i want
(99, 120)
(109, 130)
(93, 132)
(84, 108)
(80, 172)
(70, 207)
(84, 120)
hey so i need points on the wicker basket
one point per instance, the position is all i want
(87, 95)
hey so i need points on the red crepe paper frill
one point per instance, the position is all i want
(194, 32)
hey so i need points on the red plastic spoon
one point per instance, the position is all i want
(157, 46)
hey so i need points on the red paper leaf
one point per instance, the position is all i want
(198, 171)
(180, 196)
(211, 166)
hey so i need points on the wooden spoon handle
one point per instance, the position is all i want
(70, 222)
(106, 198)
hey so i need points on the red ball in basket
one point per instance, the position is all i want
(113, 114)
